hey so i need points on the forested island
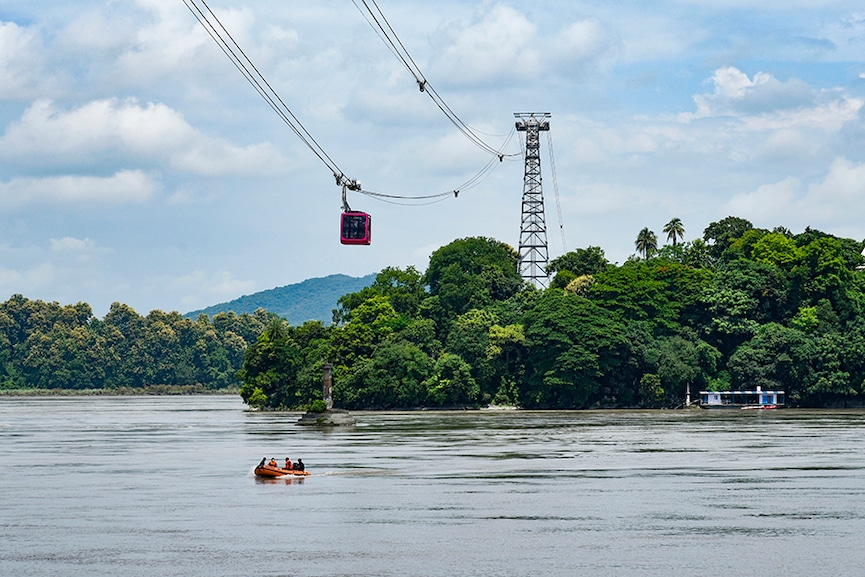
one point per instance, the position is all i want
(740, 308)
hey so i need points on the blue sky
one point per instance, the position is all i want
(137, 165)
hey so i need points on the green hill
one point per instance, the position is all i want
(312, 299)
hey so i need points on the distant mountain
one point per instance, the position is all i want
(312, 299)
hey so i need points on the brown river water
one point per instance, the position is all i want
(163, 486)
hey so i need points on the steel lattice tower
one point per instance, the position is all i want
(533, 230)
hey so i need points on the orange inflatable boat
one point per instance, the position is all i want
(273, 472)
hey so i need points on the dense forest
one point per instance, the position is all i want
(739, 308)
(46, 346)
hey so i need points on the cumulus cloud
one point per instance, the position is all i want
(72, 244)
(795, 203)
(21, 66)
(123, 187)
(735, 93)
(113, 129)
(583, 43)
(499, 46)
(202, 288)
(26, 279)
(764, 103)
(172, 40)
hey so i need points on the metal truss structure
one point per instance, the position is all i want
(534, 252)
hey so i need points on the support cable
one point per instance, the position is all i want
(226, 42)
(374, 16)
(556, 189)
(217, 31)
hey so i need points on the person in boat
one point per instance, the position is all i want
(299, 465)
(273, 463)
(288, 464)
(263, 460)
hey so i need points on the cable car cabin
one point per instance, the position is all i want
(355, 228)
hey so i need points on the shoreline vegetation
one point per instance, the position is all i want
(740, 308)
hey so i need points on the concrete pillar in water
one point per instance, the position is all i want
(328, 385)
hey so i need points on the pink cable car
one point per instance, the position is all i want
(355, 227)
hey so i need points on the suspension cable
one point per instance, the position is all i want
(472, 182)
(381, 26)
(556, 189)
(226, 42)
(223, 38)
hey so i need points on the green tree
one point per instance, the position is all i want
(392, 378)
(646, 243)
(404, 289)
(686, 363)
(652, 392)
(720, 235)
(469, 338)
(573, 346)
(451, 383)
(469, 273)
(675, 230)
(744, 295)
(776, 249)
(776, 358)
(661, 292)
(506, 353)
(270, 368)
(589, 260)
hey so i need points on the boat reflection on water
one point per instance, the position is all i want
(279, 480)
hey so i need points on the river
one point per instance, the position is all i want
(163, 486)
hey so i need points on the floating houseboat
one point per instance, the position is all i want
(756, 399)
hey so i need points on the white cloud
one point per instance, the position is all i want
(172, 40)
(203, 289)
(583, 42)
(106, 130)
(795, 119)
(825, 116)
(834, 199)
(842, 191)
(499, 46)
(21, 64)
(737, 94)
(26, 280)
(770, 201)
(124, 186)
(71, 244)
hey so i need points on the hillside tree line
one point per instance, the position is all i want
(49, 346)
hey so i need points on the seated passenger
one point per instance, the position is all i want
(273, 463)
(288, 463)
(299, 465)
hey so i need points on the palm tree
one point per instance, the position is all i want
(675, 230)
(276, 329)
(646, 243)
